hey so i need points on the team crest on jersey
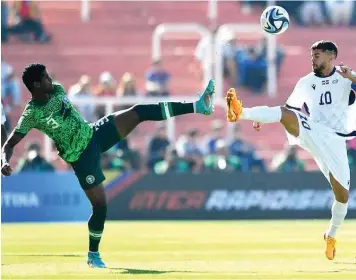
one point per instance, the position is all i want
(335, 81)
(90, 179)
(65, 100)
(325, 82)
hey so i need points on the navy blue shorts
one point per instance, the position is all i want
(88, 167)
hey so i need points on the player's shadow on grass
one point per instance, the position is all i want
(48, 255)
(148, 271)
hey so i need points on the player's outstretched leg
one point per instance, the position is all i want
(96, 223)
(338, 214)
(289, 120)
(127, 120)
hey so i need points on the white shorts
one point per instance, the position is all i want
(327, 148)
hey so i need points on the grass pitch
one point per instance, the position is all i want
(180, 250)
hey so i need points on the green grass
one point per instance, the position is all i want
(180, 250)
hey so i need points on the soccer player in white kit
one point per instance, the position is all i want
(328, 97)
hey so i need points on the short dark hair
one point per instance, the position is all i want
(325, 46)
(32, 73)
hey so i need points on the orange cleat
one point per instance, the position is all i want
(234, 106)
(330, 249)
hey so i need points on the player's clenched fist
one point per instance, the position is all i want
(6, 169)
(346, 72)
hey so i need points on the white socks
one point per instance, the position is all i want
(338, 214)
(263, 114)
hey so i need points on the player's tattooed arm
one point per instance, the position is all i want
(347, 73)
(7, 152)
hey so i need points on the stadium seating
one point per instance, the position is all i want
(118, 39)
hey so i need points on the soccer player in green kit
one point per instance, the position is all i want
(80, 143)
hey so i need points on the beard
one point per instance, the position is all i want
(319, 69)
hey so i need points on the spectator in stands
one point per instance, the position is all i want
(117, 161)
(234, 57)
(253, 71)
(248, 157)
(129, 154)
(340, 11)
(157, 146)
(287, 161)
(122, 157)
(171, 163)
(232, 54)
(261, 50)
(105, 88)
(82, 90)
(4, 21)
(126, 88)
(28, 21)
(217, 128)
(221, 160)
(33, 161)
(157, 80)
(292, 7)
(189, 148)
(246, 7)
(10, 91)
(310, 13)
(202, 54)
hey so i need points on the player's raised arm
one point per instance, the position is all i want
(347, 73)
(8, 149)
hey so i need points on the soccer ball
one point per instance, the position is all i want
(275, 20)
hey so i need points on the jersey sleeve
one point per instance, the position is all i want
(25, 123)
(353, 86)
(297, 98)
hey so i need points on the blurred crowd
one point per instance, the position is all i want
(22, 19)
(314, 13)
(245, 66)
(192, 152)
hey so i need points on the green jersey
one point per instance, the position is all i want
(60, 121)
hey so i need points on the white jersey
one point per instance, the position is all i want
(3, 118)
(327, 100)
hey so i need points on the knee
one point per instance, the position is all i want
(290, 121)
(284, 111)
(342, 196)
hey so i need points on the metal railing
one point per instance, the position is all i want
(85, 10)
(204, 33)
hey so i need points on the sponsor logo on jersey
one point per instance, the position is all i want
(313, 86)
(326, 82)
